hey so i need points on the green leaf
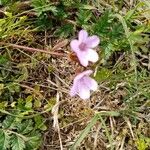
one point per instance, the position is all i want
(102, 74)
(17, 143)
(21, 104)
(3, 59)
(24, 75)
(8, 122)
(43, 22)
(83, 17)
(29, 100)
(64, 31)
(37, 103)
(39, 123)
(4, 140)
(4, 2)
(3, 105)
(103, 24)
(37, 4)
(12, 87)
(41, 6)
(51, 9)
(1, 88)
(129, 14)
(142, 142)
(61, 12)
(25, 127)
(34, 142)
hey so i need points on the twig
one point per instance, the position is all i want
(31, 49)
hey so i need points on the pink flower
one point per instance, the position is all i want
(83, 48)
(82, 85)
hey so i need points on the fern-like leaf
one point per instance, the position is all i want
(17, 143)
(4, 140)
(25, 127)
(8, 122)
(34, 141)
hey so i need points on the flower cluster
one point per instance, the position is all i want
(83, 48)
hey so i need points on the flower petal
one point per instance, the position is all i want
(74, 89)
(82, 35)
(83, 59)
(82, 74)
(84, 91)
(92, 56)
(92, 41)
(75, 45)
(91, 83)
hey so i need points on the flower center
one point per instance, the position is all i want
(82, 46)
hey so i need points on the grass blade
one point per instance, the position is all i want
(85, 132)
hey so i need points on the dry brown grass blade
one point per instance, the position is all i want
(31, 49)
(55, 110)
(130, 127)
(96, 136)
(55, 118)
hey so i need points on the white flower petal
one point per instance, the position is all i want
(92, 56)
(84, 91)
(82, 56)
(91, 83)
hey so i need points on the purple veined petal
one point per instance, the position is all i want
(92, 41)
(83, 59)
(74, 89)
(75, 45)
(84, 91)
(82, 35)
(91, 83)
(82, 74)
(92, 56)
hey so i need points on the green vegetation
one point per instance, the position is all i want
(36, 111)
